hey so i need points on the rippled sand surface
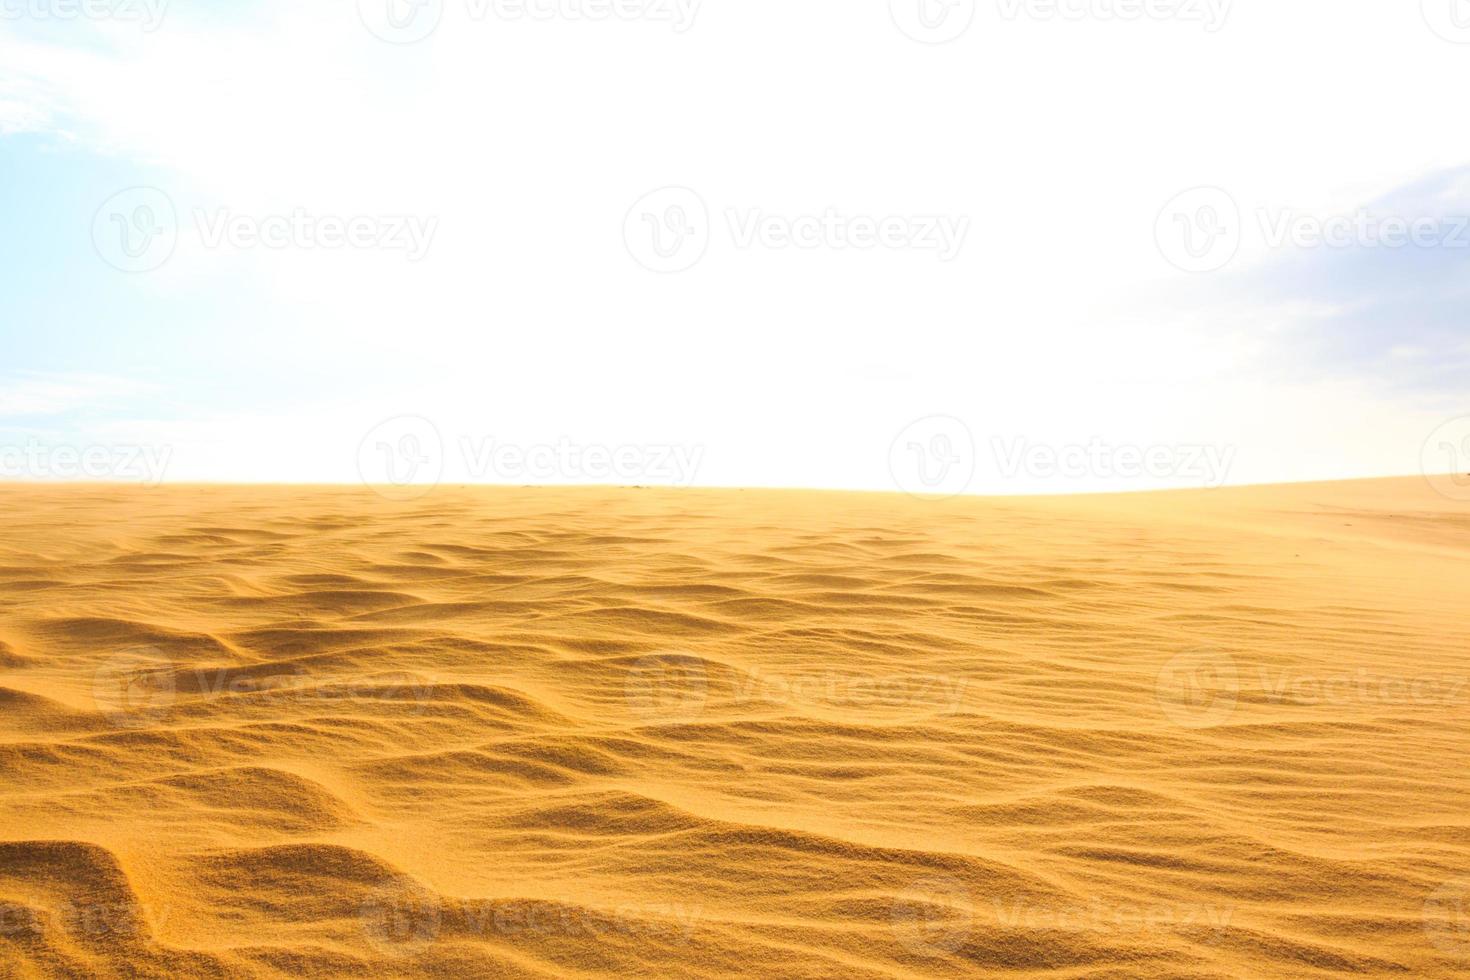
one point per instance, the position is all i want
(278, 732)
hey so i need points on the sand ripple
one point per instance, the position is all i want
(282, 732)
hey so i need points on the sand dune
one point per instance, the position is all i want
(273, 732)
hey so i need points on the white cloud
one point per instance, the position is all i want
(54, 394)
(529, 141)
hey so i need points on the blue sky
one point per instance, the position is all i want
(1400, 314)
(524, 314)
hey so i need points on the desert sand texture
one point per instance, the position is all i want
(292, 731)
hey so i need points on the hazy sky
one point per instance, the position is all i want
(754, 243)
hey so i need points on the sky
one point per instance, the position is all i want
(937, 246)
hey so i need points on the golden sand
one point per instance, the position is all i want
(510, 732)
